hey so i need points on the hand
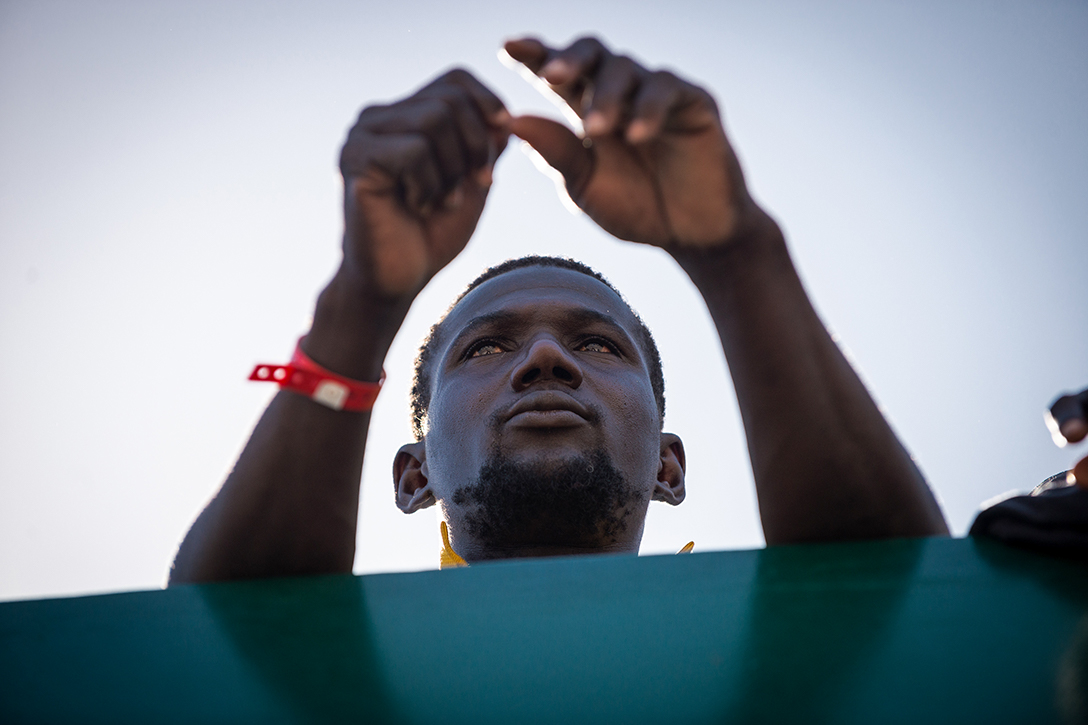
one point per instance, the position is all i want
(655, 166)
(1068, 423)
(416, 175)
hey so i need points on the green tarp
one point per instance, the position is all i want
(921, 631)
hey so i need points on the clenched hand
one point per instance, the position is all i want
(416, 175)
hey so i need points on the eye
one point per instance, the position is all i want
(484, 347)
(599, 344)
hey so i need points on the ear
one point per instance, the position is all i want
(410, 478)
(670, 473)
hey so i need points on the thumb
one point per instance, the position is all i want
(559, 146)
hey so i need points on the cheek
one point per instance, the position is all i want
(455, 431)
(637, 404)
(456, 411)
(638, 427)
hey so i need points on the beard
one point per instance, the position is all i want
(582, 502)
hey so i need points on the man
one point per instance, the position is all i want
(539, 421)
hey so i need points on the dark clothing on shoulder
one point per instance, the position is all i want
(1052, 519)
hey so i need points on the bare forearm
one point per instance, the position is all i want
(416, 176)
(827, 465)
(290, 506)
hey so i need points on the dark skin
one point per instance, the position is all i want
(659, 170)
(1068, 422)
(544, 365)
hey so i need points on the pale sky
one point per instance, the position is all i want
(169, 209)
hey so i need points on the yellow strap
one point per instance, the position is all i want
(688, 548)
(449, 558)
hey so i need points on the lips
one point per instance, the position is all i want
(548, 409)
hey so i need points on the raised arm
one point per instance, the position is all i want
(416, 175)
(658, 169)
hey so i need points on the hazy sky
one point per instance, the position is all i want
(169, 208)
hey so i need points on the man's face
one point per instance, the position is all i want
(539, 371)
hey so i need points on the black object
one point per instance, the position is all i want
(1052, 519)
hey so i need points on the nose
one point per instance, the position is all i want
(546, 360)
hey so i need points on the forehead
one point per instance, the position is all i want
(541, 290)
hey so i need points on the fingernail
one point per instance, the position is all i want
(557, 71)
(485, 177)
(638, 131)
(595, 124)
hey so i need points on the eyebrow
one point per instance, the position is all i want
(578, 316)
(500, 318)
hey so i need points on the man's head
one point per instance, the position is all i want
(538, 403)
(421, 382)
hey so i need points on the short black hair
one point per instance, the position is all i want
(421, 380)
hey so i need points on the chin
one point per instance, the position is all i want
(572, 499)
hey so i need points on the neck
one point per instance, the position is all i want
(475, 551)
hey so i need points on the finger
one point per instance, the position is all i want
(558, 145)
(451, 120)
(473, 137)
(1074, 430)
(455, 199)
(657, 97)
(408, 160)
(1068, 418)
(1080, 472)
(530, 52)
(665, 101)
(432, 119)
(422, 184)
(614, 85)
(491, 106)
(494, 113)
(487, 103)
(579, 60)
(569, 71)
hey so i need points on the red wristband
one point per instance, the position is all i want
(303, 375)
